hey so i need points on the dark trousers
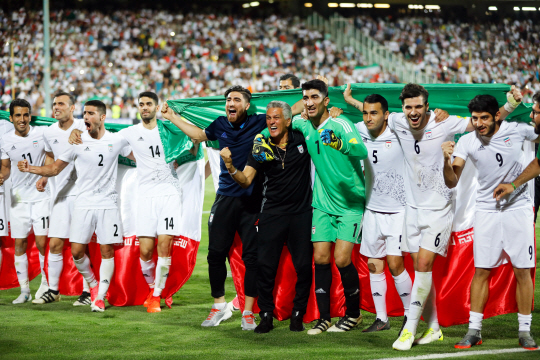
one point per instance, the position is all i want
(228, 216)
(295, 232)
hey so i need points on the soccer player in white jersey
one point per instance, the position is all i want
(5, 126)
(385, 206)
(159, 199)
(64, 191)
(95, 207)
(503, 229)
(29, 207)
(428, 213)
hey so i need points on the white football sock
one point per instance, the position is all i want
(83, 265)
(420, 292)
(85, 286)
(524, 322)
(56, 263)
(430, 310)
(162, 272)
(148, 270)
(378, 292)
(219, 306)
(106, 271)
(21, 266)
(42, 266)
(475, 320)
(403, 284)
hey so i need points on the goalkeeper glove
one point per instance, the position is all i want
(329, 138)
(261, 151)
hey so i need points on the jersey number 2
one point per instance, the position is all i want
(101, 160)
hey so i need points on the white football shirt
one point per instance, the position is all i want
(5, 127)
(383, 170)
(96, 163)
(424, 160)
(56, 141)
(498, 159)
(31, 148)
(156, 177)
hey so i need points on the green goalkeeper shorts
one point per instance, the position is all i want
(326, 227)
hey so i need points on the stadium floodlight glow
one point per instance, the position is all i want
(516, 8)
(246, 5)
(347, 5)
(308, 4)
(81, 72)
(433, 7)
(333, 5)
(492, 8)
(72, 88)
(413, 6)
(240, 49)
(270, 1)
(364, 5)
(382, 6)
(528, 8)
(173, 33)
(110, 64)
(254, 3)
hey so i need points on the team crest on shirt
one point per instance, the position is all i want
(307, 137)
(404, 132)
(388, 144)
(508, 142)
(428, 134)
(300, 149)
(110, 147)
(313, 230)
(35, 143)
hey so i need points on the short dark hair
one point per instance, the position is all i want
(237, 88)
(376, 98)
(21, 103)
(151, 95)
(63, 93)
(102, 109)
(413, 90)
(294, 80)
(536, 97)
(317, 85)
(484, 103)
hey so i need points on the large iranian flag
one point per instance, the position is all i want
(452, 275)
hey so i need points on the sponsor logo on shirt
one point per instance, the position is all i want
(353, 141)
(307, 137)
(224, 135)
(141, 139)
(110, 147)
(35, 143)
(55, 141)
(13, 147)
(428, 134)
(87, 149)
(508, 142)
(481, 148)
(388, 144)
(300, 149)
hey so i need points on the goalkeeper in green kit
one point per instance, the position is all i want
(336, 148)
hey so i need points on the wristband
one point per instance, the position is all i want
(235, 171)
(509, 107)
(514, 186)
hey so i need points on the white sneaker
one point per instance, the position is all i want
(430, 336)
(24, 297)
(216, 316)
(405, 341)
(346, 323)
(248, 321)
(47, 298)
(43, 288)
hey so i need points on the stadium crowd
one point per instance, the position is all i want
(114, 57)
(504, 53)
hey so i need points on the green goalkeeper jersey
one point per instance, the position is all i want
(339, 187)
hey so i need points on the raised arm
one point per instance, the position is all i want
(348, 141)
(243, 178)
(46, 170)
(5, 171)
(192, 131)
(452, 171)
(513, 97)
(347, 96)
(531, 171)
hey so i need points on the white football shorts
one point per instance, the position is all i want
(62, 209)
(106, 223)
(4, 229)
(159, 215)
(25, 216)
(503, 236)
(381, 234)
(427, 229)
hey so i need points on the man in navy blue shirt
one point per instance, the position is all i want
(235, 209)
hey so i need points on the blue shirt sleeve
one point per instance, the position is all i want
(211, 130)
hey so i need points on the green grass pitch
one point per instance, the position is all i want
(62, 331)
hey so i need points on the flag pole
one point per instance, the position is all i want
(47, 56)
(12, 71)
